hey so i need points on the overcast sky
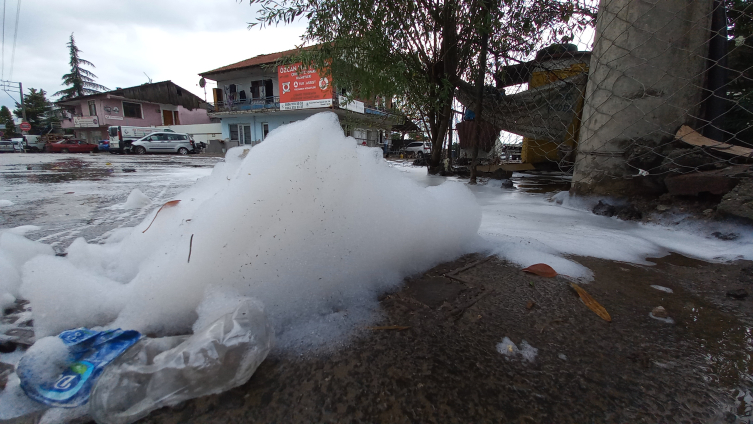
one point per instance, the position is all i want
(167, 39)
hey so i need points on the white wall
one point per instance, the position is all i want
(200, 132)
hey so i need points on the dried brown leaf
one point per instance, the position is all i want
(591, 303)
(542, 270)
(168, 204)
(530, 304)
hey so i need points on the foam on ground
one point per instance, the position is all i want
(527, 228)
(15, 251)
(136, 200)
(4, 203)
(307, 222)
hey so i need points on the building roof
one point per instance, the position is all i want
(165, 92)
(261, 59)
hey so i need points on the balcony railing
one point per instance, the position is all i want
(269, 103)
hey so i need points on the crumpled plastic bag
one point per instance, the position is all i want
(166, 371)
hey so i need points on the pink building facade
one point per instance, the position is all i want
(158, 104)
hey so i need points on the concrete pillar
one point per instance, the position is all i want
(646, 80)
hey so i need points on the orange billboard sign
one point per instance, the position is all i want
(302, 88)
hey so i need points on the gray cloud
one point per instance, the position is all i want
(167, 39)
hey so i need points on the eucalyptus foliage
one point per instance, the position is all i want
(415, 52)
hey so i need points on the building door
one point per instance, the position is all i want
(167, 117)
(175, 118)
(244, 134)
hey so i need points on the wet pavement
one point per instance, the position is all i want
(71, 195)
(433, 357)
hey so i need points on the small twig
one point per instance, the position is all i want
(460, 279)
(190, 247)
(471, 265)
(170, 203)
(458, 312)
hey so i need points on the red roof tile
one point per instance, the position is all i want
(254, 61)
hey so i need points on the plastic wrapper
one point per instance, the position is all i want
(166, 371)
(88, 353)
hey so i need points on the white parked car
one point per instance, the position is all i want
(164, 142)
(418, 148)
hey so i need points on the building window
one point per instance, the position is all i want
(233, 132)
(132, 110)
(264, 130)
(92, 108)
(261, 89)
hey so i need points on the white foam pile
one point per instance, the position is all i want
(4, 203)
(527, 229)
(15, 251)
(136, 200)
(307, 222)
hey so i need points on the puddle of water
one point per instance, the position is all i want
(718, 344)
(677, 260)
(56, 172)
(541, 183)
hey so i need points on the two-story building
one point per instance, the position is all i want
(157, 104)
(255, 96)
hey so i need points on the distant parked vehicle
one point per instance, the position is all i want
(34, 143)
(6, 146)
(71, 146)
(18, 144)
(104, 145)
(418, 148)
(122, 137)
(164, 142)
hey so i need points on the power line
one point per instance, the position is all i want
(2, 62)
(15, 35)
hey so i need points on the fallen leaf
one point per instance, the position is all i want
(530, 304)
(390, 327)
(542, 270)
(591, 303)
(168, 204)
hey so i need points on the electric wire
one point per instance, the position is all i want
(2, 62)
(15, 35)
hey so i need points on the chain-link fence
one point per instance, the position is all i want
(666, 90)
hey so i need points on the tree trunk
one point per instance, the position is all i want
(479, 99)
(435, 163)
(449, 145)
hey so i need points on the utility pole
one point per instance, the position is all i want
(23, 106)
(636, 101)
(10, 87)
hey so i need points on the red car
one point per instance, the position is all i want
(71, 146)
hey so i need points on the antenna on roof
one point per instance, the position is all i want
(147, 76)
(203, 84)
